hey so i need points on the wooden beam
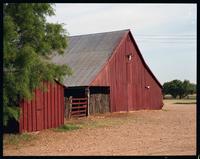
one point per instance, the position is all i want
(87, 91)
(70, 106)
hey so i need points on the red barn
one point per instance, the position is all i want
(109, 69)
(109, 75)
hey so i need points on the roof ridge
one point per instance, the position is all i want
(101, 32)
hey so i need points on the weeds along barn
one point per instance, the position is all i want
(109, 75)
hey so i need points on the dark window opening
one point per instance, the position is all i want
(76, 92)
(99, 90)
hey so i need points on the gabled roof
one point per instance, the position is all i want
(143, 61)
(86, 55)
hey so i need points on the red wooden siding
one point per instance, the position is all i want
(45, 110)
(128, 80)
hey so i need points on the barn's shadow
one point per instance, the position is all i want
(12, 127)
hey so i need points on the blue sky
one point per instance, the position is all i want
(165, 33)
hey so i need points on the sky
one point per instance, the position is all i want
(165, 33)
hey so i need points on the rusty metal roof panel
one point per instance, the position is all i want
(86, 55)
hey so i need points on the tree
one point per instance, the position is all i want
(173, 88)
(186, 87)
(179, 88)
(192, 88)
(28, 41)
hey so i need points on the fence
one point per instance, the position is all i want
(76, 107)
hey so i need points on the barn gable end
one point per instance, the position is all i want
(129, 81)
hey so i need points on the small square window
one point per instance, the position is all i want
(129, 56)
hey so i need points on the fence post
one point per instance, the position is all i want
(66, 107)
(70, 107)
(87, 91)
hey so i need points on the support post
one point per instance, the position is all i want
(66, 109)
(70, 107)
(87, 92)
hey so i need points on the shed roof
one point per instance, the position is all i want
(86, 55)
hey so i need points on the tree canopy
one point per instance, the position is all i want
(178, 88)
(28, 42)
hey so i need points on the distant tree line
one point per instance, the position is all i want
(177, 88)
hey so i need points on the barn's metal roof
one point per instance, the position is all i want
(86, 55)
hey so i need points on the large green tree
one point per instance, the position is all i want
(178, 88)
(28, 42)
(173, 88)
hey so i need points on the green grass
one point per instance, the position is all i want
(185, 103)
(100, 123)
(67, 127)
(16, 139)
(105, 121)
(179, 101)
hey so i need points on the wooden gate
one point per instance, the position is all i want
(76, 107)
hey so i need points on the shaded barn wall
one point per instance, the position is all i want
(45, 110)
(76, 92)
(99, 101)
(127, 80)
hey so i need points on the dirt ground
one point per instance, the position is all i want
(170, 131)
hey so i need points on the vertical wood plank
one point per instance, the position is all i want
(62, 105)
(49, 105)
(52, 106)
(29, 116)
(55, 105)
(58, 106)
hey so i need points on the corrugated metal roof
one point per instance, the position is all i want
(86, 55)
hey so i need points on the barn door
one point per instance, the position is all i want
(39, 110)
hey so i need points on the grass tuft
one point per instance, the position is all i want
(15, 139)
(67, 127)
(185, 103)
(179, 101)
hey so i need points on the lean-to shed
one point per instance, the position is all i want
(45, 110)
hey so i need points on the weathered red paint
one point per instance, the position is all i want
(62, 104)
(45, 110)
(128, 79)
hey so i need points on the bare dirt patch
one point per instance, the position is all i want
(170, 131)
